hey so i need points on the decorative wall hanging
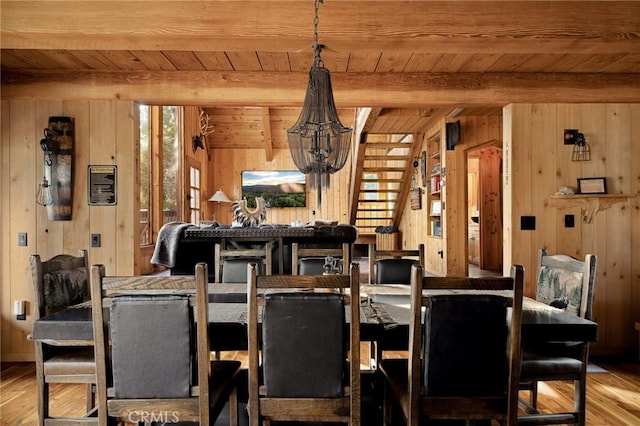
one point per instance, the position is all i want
(103, 185)
(200, 140)
(247, 217)
(318, 142)
(596, 185)
(56, 188)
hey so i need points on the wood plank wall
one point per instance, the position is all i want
(106, 133)
(537, 164)
(475, 131)
(226, 167)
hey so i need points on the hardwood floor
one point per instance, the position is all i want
(613, 394)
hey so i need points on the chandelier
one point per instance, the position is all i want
(318, 142)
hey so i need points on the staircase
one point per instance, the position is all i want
(383, 171)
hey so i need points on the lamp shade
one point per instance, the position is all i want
(220, 197)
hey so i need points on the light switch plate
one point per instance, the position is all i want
(95, 240)
(22, 239)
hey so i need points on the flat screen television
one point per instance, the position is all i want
(279, 188)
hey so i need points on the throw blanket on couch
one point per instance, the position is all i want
(166, 248)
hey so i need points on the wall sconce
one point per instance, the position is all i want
(56, 188)
(44, 196)
(581, 150)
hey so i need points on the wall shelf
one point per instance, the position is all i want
(590, 204)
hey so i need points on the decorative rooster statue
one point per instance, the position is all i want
(249, 217)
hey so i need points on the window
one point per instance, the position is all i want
(194, 195)
(371, 183)
(160, 142)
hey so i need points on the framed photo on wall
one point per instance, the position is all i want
(596, 185)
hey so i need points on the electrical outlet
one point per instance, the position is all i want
(95, 240)
(22, 239)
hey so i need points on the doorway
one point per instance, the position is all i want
(484, 207)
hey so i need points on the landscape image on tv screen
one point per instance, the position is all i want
(279, 188)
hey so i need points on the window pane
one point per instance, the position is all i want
(170, 146)
(145, 175)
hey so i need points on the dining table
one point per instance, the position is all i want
(384, 319)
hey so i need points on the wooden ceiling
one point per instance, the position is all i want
(246, 62)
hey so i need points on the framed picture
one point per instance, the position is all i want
(436, 208)
(597, 185)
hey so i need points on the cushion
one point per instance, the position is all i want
(394, 271)
(150, 346)
(234, 270)
(64, 288)
(465, 345)
(303, 345)
(311, 266)
(560, 288)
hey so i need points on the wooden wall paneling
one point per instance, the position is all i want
(518, 185)
(507, 187)
(75, 231)
(7, 242)
(435, 263)
(23, 142)
(50, 236)
(491, 218)
(634, 207)
(229, 163)
(414, 222)
(569, 240)
(618, 266)
(543, 173)
(454, 227)
(127, 211)
(594, 234)
(103, 152)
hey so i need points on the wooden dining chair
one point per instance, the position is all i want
(464, 358)
(310, 370)
(152, 350)
(58, 283)
(393, 266)
(565, 283)
(311, 260)
(231, 263)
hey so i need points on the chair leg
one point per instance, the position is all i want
(42, 388)
(533, 395)
(233, 407)
(580, 400)
(90, 397)
(43, 402)
(387, 406)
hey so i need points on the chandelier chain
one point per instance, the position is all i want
(317, 60)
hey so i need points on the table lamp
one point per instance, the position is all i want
(219, 197)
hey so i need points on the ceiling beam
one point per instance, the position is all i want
(207, 88)
(287, 26)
